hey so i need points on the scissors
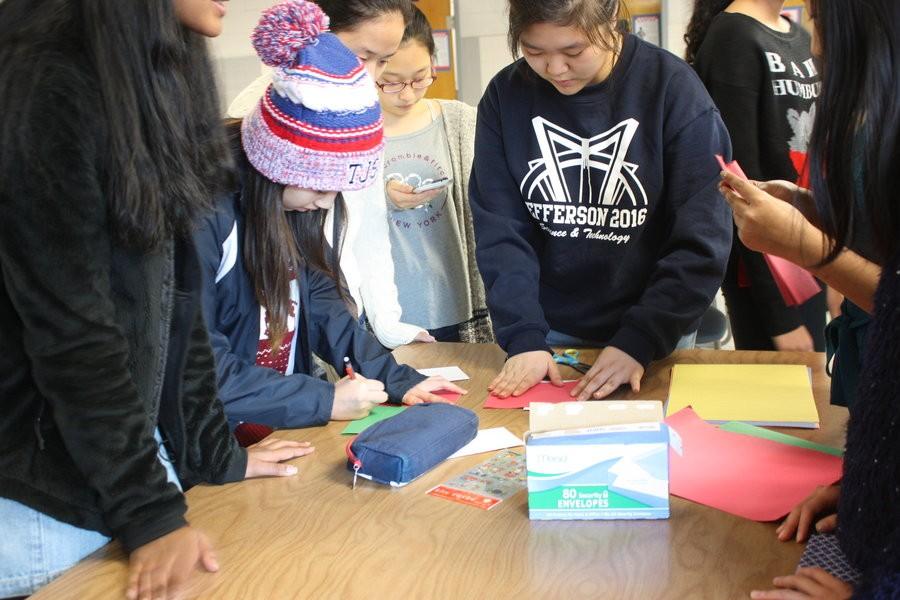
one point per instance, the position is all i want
(570, 357)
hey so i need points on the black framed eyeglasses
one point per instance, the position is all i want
(395, 87)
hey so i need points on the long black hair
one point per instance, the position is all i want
(162, 150)
(349, 14)
(856, 133)
(704, 12)
(277, 242)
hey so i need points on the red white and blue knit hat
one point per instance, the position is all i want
(319, 125)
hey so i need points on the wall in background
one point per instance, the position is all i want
(234, 58)
(480, 48)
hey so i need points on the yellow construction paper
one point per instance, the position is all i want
(768, 395)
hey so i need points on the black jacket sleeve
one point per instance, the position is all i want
(507, 239)
(335, 333)
(213, 453)
(56, 256)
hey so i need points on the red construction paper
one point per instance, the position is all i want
(746, 476)
(448, 395)
(795, 283)
(542, 392)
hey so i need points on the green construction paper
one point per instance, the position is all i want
(761, 432)
(379, 413)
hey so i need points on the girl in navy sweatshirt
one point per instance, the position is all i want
(593, 192)
(272, 294)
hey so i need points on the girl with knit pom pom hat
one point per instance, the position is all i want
(273, 292)
(372, 30)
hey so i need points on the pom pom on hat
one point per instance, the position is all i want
(285, 29)
(318, 125)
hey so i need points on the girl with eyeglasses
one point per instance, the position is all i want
(430, 143)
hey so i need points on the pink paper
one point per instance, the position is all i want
(542, 392)
(746, 476)
(448, 395)
(733, 167)
(795, 283)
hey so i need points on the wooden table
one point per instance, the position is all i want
(312, 537)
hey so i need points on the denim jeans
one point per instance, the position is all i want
(36, 548)
(564, 340)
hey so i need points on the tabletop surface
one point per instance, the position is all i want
(311, 536)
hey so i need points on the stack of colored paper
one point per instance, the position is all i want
(768, 395)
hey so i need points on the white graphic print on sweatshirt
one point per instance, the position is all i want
(585, 183)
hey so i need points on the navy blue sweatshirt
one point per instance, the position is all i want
(598, 214)
(324, 325)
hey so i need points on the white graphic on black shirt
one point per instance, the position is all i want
(585, 182)
(801, 123)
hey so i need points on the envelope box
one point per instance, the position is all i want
(618, 471)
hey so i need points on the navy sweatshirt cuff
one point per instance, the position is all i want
(527, 341)
(635, 344)
(406, 378)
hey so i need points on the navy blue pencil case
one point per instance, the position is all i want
(398, 450)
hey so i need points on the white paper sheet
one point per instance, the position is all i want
(452, 373)
(489, 440)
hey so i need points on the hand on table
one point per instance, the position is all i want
(265, 458)
(401, 195)
(806, 584)
(522, 372)
(425, 337)
(355, 398)
(158, 569)
(796, 340)
(824, 500)
(422, 392)
(765, 223)
(611, 369)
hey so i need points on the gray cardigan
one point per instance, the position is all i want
(459, 126)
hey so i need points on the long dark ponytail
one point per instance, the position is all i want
(704, 12)
(277, 242)
(857, 134)
(162, 151)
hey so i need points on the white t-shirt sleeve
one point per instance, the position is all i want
(368, 267)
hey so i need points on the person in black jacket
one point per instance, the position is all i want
(272, 293)
(853, 153)
(760, 72)
(110, 143)
(593, 193)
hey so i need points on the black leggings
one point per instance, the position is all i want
(750, 332)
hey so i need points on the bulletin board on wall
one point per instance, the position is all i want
(440, 16)
(643, 18)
